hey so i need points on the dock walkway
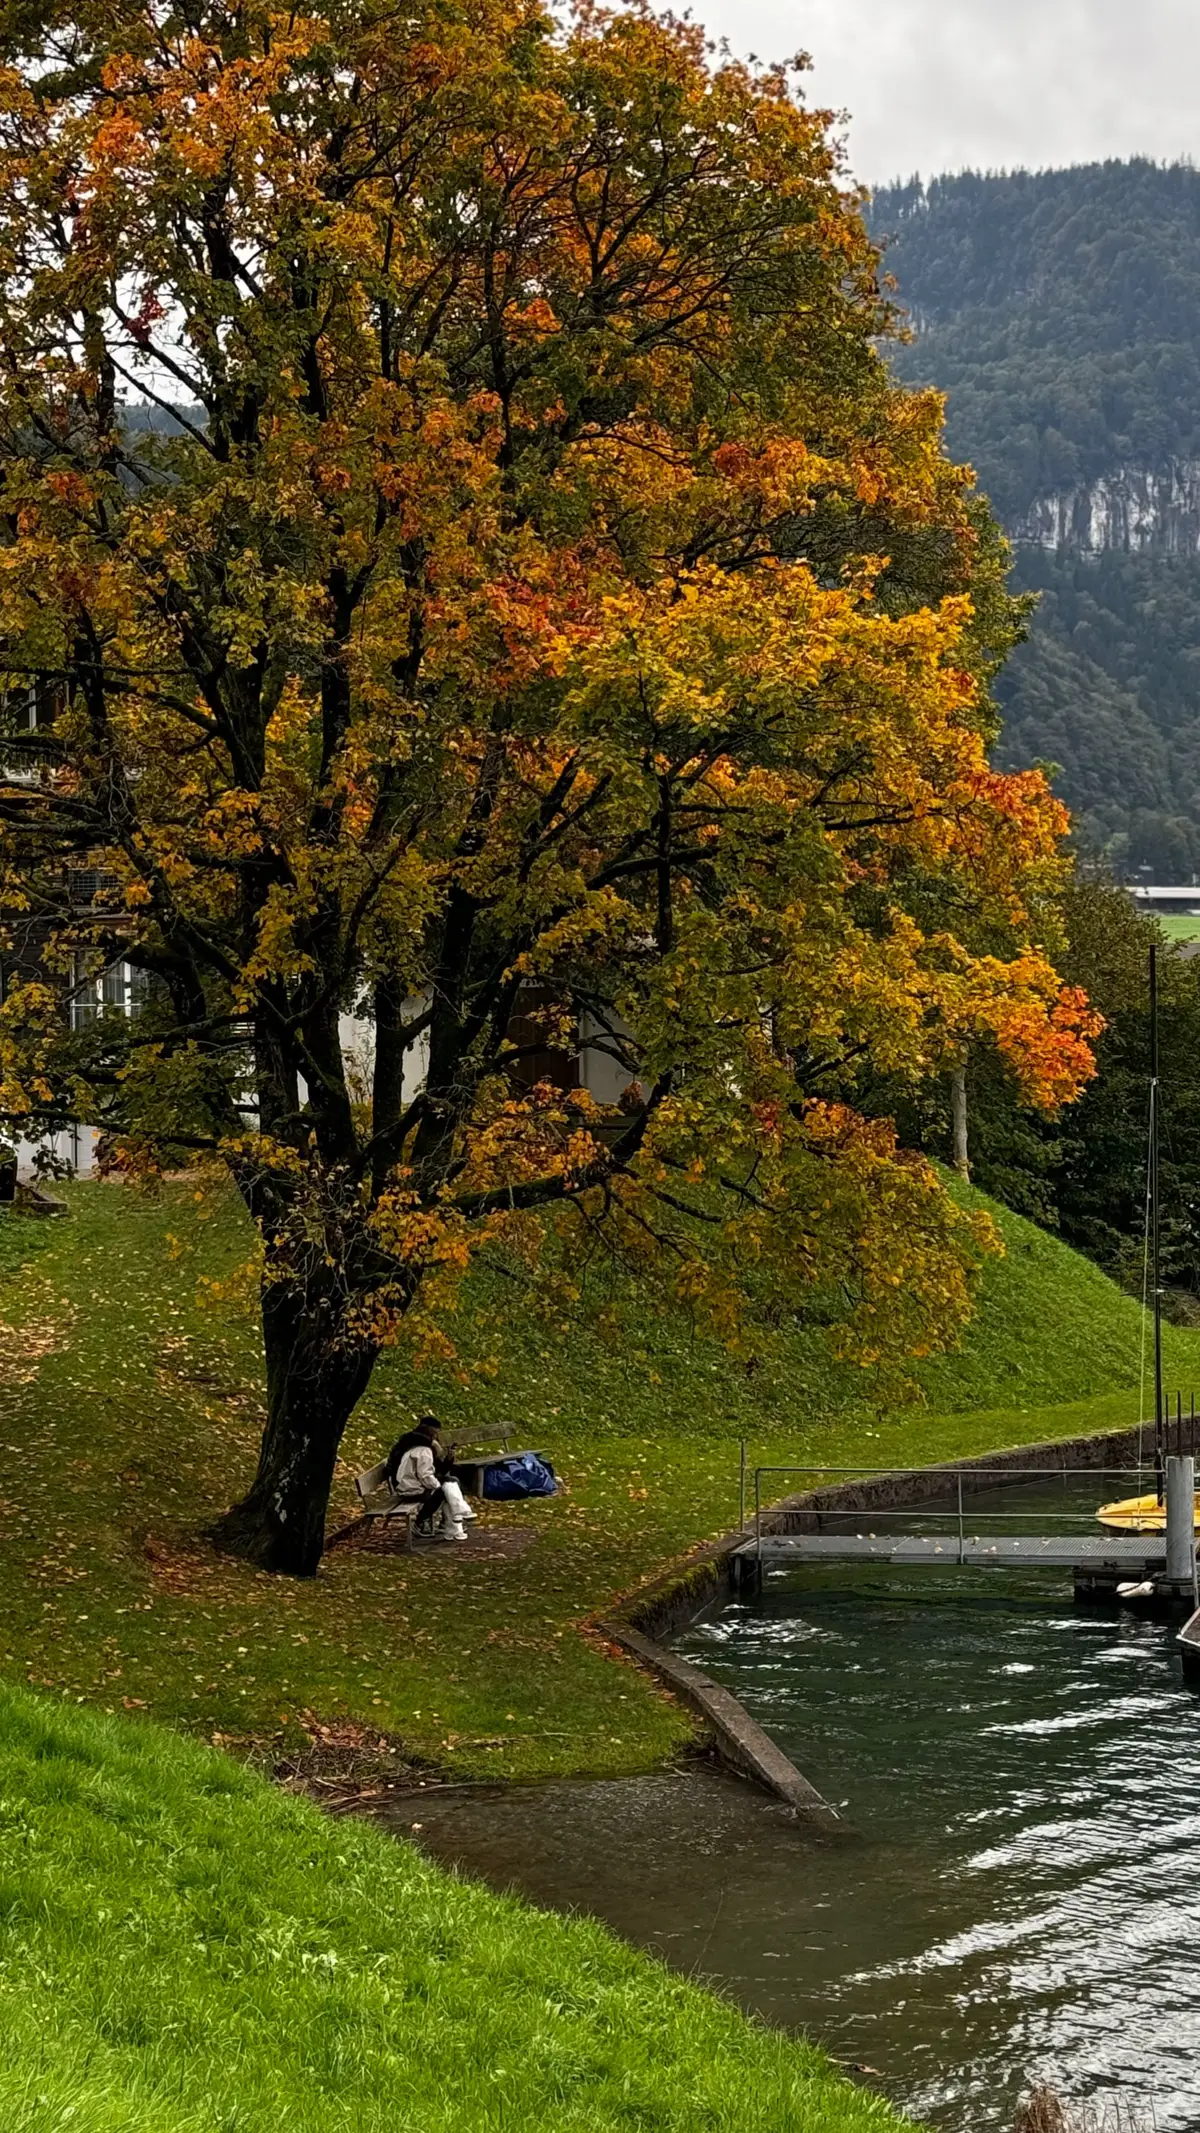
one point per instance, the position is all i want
(1128, 1556)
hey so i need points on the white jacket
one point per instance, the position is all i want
(416, 1473)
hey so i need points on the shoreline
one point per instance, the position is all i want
(669, 1600)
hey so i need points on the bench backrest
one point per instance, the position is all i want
(367, 1483)
(501, 1434)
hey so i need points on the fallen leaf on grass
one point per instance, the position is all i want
(178, 1566)
(23, 1350)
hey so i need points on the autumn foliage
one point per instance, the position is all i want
(487, 585)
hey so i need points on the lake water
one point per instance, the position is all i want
(1017, 1897)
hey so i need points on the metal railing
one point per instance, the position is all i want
(1177, 1433)
(954, 1474)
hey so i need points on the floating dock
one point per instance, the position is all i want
(1103, 1568)
(1143, 1555)
(819, 1526)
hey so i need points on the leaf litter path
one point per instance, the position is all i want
(25, 1347)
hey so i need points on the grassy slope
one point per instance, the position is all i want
(1180, 925)
(130, 1411)
(185, 1950)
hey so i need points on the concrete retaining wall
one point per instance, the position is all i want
(738, 1739)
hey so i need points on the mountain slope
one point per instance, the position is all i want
(1049, 1327)
(1061, 312)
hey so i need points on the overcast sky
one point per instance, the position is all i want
(944, 84)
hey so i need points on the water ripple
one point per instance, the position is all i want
(1061, 1946)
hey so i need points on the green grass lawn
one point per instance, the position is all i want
(183, 1949)
(130, 1408)
(1180, 925)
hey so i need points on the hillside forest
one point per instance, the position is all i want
(1060, 311)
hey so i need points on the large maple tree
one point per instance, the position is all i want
(480, 579)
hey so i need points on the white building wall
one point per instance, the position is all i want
(120, 989)
(603, 1077)
(73, 1149)
(600, 1074)
(356, 1034)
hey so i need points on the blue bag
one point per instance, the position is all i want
(522, 1475)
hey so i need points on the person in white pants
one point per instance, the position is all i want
(417, 1465)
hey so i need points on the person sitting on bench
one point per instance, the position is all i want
(417, 1465)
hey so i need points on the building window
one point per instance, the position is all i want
(120, 989)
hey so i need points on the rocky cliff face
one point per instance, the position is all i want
(1130, 513)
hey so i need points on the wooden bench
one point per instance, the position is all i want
(378, 1501)
(472, 1465)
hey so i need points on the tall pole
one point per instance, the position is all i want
(1181, 1522)
(1154, 1265)
(958, 1114)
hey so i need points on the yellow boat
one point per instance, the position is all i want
(1138, 1514)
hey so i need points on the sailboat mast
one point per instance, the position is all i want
(1159, 1417)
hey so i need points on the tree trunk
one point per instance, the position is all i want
(958, 1114)
(316, 1374)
